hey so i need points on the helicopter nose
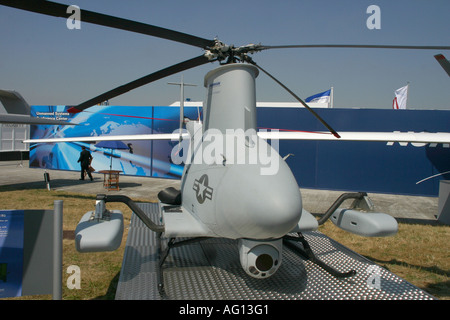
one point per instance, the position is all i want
(259, 206)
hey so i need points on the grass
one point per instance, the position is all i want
(418, 253)
(99, 271)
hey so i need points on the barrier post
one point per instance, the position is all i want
(57, 249)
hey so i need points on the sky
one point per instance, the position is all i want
(50, 64)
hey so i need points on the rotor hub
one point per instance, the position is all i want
(221, 51)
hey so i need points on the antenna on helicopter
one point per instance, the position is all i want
(182, 85)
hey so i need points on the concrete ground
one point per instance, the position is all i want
(17, 175)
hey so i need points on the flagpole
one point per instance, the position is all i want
(407, 93)
(332, 97)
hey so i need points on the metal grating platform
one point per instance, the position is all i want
(210, 270)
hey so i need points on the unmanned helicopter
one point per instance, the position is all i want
(235, 185)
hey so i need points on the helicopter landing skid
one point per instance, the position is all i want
(288, 240)
(165, 252)
(309, 254)
(211, 270)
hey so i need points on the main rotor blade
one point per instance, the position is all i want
(140, 82)
(445, 64)
(60, 10)
(263, 47)
(296, 97)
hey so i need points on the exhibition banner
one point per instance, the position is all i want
(140, 158)
(11, 252)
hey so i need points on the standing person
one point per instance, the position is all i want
(130, 148)
(85, 160)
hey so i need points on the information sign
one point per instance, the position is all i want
(11, 252)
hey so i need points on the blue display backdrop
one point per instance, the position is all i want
(364, 166)
(11, 252)
(347, 166)
(142, 158)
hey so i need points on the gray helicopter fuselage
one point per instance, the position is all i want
(234, 182)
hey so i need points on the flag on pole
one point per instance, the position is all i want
(401, 95)
(323, 97)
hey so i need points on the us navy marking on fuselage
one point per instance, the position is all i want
(202, 190)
